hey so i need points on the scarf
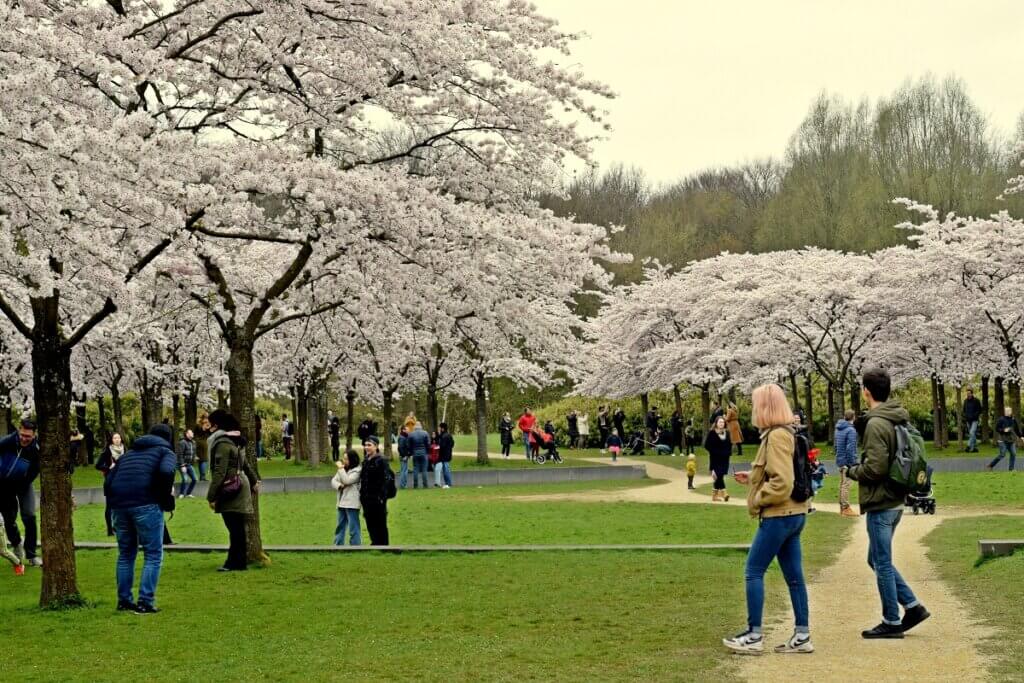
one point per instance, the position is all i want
(116, 452)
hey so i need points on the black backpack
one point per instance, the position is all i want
(802, 470)
(390, 490)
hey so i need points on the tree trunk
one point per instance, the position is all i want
(1014, 389)
(841, 398)
(960, 415)
(103, 435)
(705, 407)
(809, 406)
(831, 409)
(191, 408)
(146, 406)
(51, 384)
(935, 412)
(432, 403)
(943, 415)
(222, 400)
(350, 417)
(241, 381)
(175, 417)
(645, 408)
(314, 437)
(301, 444)
(855, 395)
(480, 397)
(81, 426)
(986, 431)
(6, 415)
(792, 390)
(388, 415)
(1000, 402)
(678, 398)
(115, 403)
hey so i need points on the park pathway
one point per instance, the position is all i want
(844, 601)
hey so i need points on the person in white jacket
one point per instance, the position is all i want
(346, 483)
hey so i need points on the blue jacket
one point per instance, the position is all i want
(419, 443)
(144, 475)
(19, 466)
(846, 444)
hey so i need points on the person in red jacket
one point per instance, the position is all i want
(526, 422)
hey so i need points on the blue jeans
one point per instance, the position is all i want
(526, 444)
(972, 436)
(419, 465)
(202, 470)
(777, 537)
(443, 469)
(259, 448)
(190, 472)
(893, 590)
(140, 526)
(403, 476)
(348, 517)
(1005, 446)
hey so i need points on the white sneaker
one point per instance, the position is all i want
(191, 496)
(19, 550)
(35, 562)
(180, 496)
(746, 643)
(799, 643)
(446, 486)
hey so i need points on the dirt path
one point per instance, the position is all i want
(844, 601)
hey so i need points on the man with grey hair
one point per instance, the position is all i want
(419, 446)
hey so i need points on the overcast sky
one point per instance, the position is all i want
(718, 82)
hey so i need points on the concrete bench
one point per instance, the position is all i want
(999, 548)
(204, 548)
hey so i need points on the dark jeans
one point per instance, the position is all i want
(9, 511)
(719, 480)
(202, 470)
(186, 489)
(235, 522)
(1004, 448)
(739, 449)
(287, 443)
(27, 505)
(506, 449)
(335, 448)
(109, 520)
(139, 526)
(376, 517)
(892, 589)
(419, 465)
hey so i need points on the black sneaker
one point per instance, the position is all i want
(126, 606)
(884, 630)
(914, 616)
(145, 608)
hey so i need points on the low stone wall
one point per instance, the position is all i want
(483, 477)
(938, 464)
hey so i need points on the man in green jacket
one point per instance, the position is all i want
(881, 500)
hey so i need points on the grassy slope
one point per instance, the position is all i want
(993, 592)
(498, 617)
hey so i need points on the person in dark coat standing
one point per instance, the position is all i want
(676, 424)
(572, 427)
(138, 490)
(227, 461)
(505, 427)
(443, 468)
(619, 420)
(186, 453)
(716, 412)
(373, 492)
(972, 416)
(719, 448)
(334, 431)
(653, 424)
(604, 425)
(108, 459)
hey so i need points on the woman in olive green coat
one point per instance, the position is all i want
(226, 447)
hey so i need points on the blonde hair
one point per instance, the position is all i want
(771, 409)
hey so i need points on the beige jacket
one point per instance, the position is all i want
(771, 477)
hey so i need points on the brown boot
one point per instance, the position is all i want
(849, 512)
(716, 496)
(725, 495)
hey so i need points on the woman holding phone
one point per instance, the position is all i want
(781, 521)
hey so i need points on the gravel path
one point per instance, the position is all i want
(844, 601)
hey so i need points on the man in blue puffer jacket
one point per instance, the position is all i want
(138, 490)
(846, 456)
(19, 467)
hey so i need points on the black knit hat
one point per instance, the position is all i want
(163, 431)
(372, 439)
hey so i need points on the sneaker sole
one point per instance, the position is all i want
(890, 636)
(923, 619)
(802, 650)
(742, 650)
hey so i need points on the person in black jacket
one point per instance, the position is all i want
(719, 448)
(972, 415)
(653, 423)
(19, 467)
(619, 420)
(334, 431)
(374, 481)
(108, 460)
(1007, 432)
(677, 433)
(138, 491)
(446, 443)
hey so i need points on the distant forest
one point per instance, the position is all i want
(834, 188)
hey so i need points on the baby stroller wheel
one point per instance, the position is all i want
(539, 459)
(916, 510)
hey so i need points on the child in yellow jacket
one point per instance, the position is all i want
(691, 470)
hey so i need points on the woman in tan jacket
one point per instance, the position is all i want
(781, 520)
(732, 421)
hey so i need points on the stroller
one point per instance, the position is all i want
(923, 501)
(548, 449)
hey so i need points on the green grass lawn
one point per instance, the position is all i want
(993, 592)
(543, 616)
